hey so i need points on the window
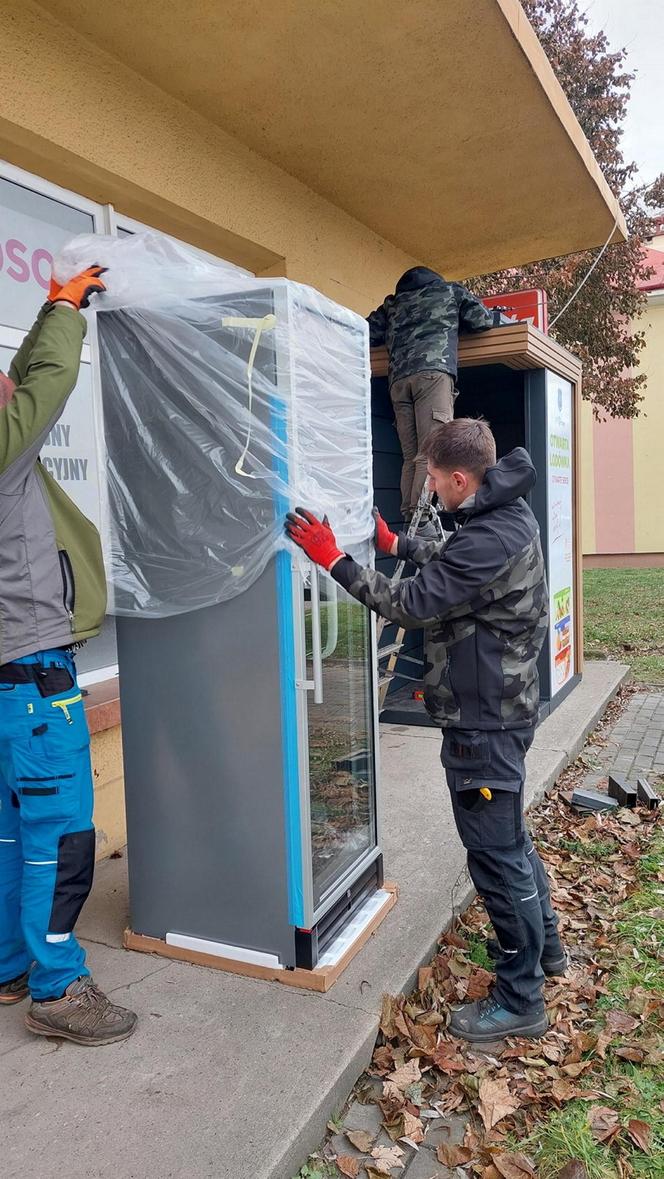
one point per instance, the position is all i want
(37, 218)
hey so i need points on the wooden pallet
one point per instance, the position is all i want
(320, 979)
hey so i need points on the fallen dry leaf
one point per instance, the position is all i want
(407, 1075)
(630, 1052)
(360, 1139)
(513, 1166)
(448, 1058)
(620, 1021)
(603, 1121)
(495, 1101)
(640, 1133)
(453, 1156)
(575, 1169)
(348, 1165)
(412, 1128)
(387, 1158)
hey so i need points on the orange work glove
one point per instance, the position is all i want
(54, 289)
(79, 288)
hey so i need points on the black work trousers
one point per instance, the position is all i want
(502, 861)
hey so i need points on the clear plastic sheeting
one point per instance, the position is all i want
(228, 400)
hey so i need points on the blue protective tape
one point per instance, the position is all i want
(287, 673)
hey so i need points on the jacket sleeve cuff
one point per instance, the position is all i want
(345, 572)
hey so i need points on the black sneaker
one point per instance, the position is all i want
(485, 1021)
(552, 966)
(14, 990)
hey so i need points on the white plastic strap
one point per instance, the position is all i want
(267, 323)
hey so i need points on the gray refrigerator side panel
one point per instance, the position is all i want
(201, 727)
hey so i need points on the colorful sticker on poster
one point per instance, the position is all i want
(560, 538)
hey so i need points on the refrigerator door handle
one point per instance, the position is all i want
(316, 641)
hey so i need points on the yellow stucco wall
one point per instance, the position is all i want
(648, 433)
(587, 480)
(75, 115)
(109, 816)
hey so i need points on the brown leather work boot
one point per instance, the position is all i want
(83, 1014)
(14, 990)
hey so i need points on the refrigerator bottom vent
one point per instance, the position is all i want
(344, 940)
(311, 945)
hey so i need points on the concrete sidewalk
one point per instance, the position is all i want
(226, 1076)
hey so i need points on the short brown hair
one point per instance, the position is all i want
(464, 444)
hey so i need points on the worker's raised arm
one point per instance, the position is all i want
(19, 365)
(48, 372)
(444, 588)
(377, 326)
(473, 315)
(44, 371)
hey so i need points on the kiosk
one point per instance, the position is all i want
(528, 388)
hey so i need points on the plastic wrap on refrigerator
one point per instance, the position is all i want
(228, 400)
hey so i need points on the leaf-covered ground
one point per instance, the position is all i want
(587, 1100)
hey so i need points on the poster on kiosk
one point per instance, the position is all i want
(560, 541)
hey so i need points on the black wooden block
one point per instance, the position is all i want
(592, 800)
(620, 789)
(646, 795)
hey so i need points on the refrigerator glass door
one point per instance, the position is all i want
(341, 733)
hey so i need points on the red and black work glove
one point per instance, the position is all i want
(79, 288)
(384, 538)
(314, 536)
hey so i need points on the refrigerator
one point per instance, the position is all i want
(249, 724)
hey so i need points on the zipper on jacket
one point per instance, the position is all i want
(68, 585)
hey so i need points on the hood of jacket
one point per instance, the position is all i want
(513, 476)
(416, 278)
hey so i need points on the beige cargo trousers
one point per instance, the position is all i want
(420, 403)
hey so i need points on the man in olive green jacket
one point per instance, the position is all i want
(52, 598)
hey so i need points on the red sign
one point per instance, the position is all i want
(522, 305)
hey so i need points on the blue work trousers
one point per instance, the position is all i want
(47, 840)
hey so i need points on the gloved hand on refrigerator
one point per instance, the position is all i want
(384, 539)
(314, 536)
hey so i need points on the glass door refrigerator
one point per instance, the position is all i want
(248, 723)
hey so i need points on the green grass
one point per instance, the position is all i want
(477, 951)
(624, 619)
(597, 850)
(634, 1091)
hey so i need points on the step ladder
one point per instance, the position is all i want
(392, 652)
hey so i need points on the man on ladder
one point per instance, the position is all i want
(420, 325)
(482, 599)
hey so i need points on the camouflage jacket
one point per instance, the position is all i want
(420, 327)
(482, 600)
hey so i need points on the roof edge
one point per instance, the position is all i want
(526, 37)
